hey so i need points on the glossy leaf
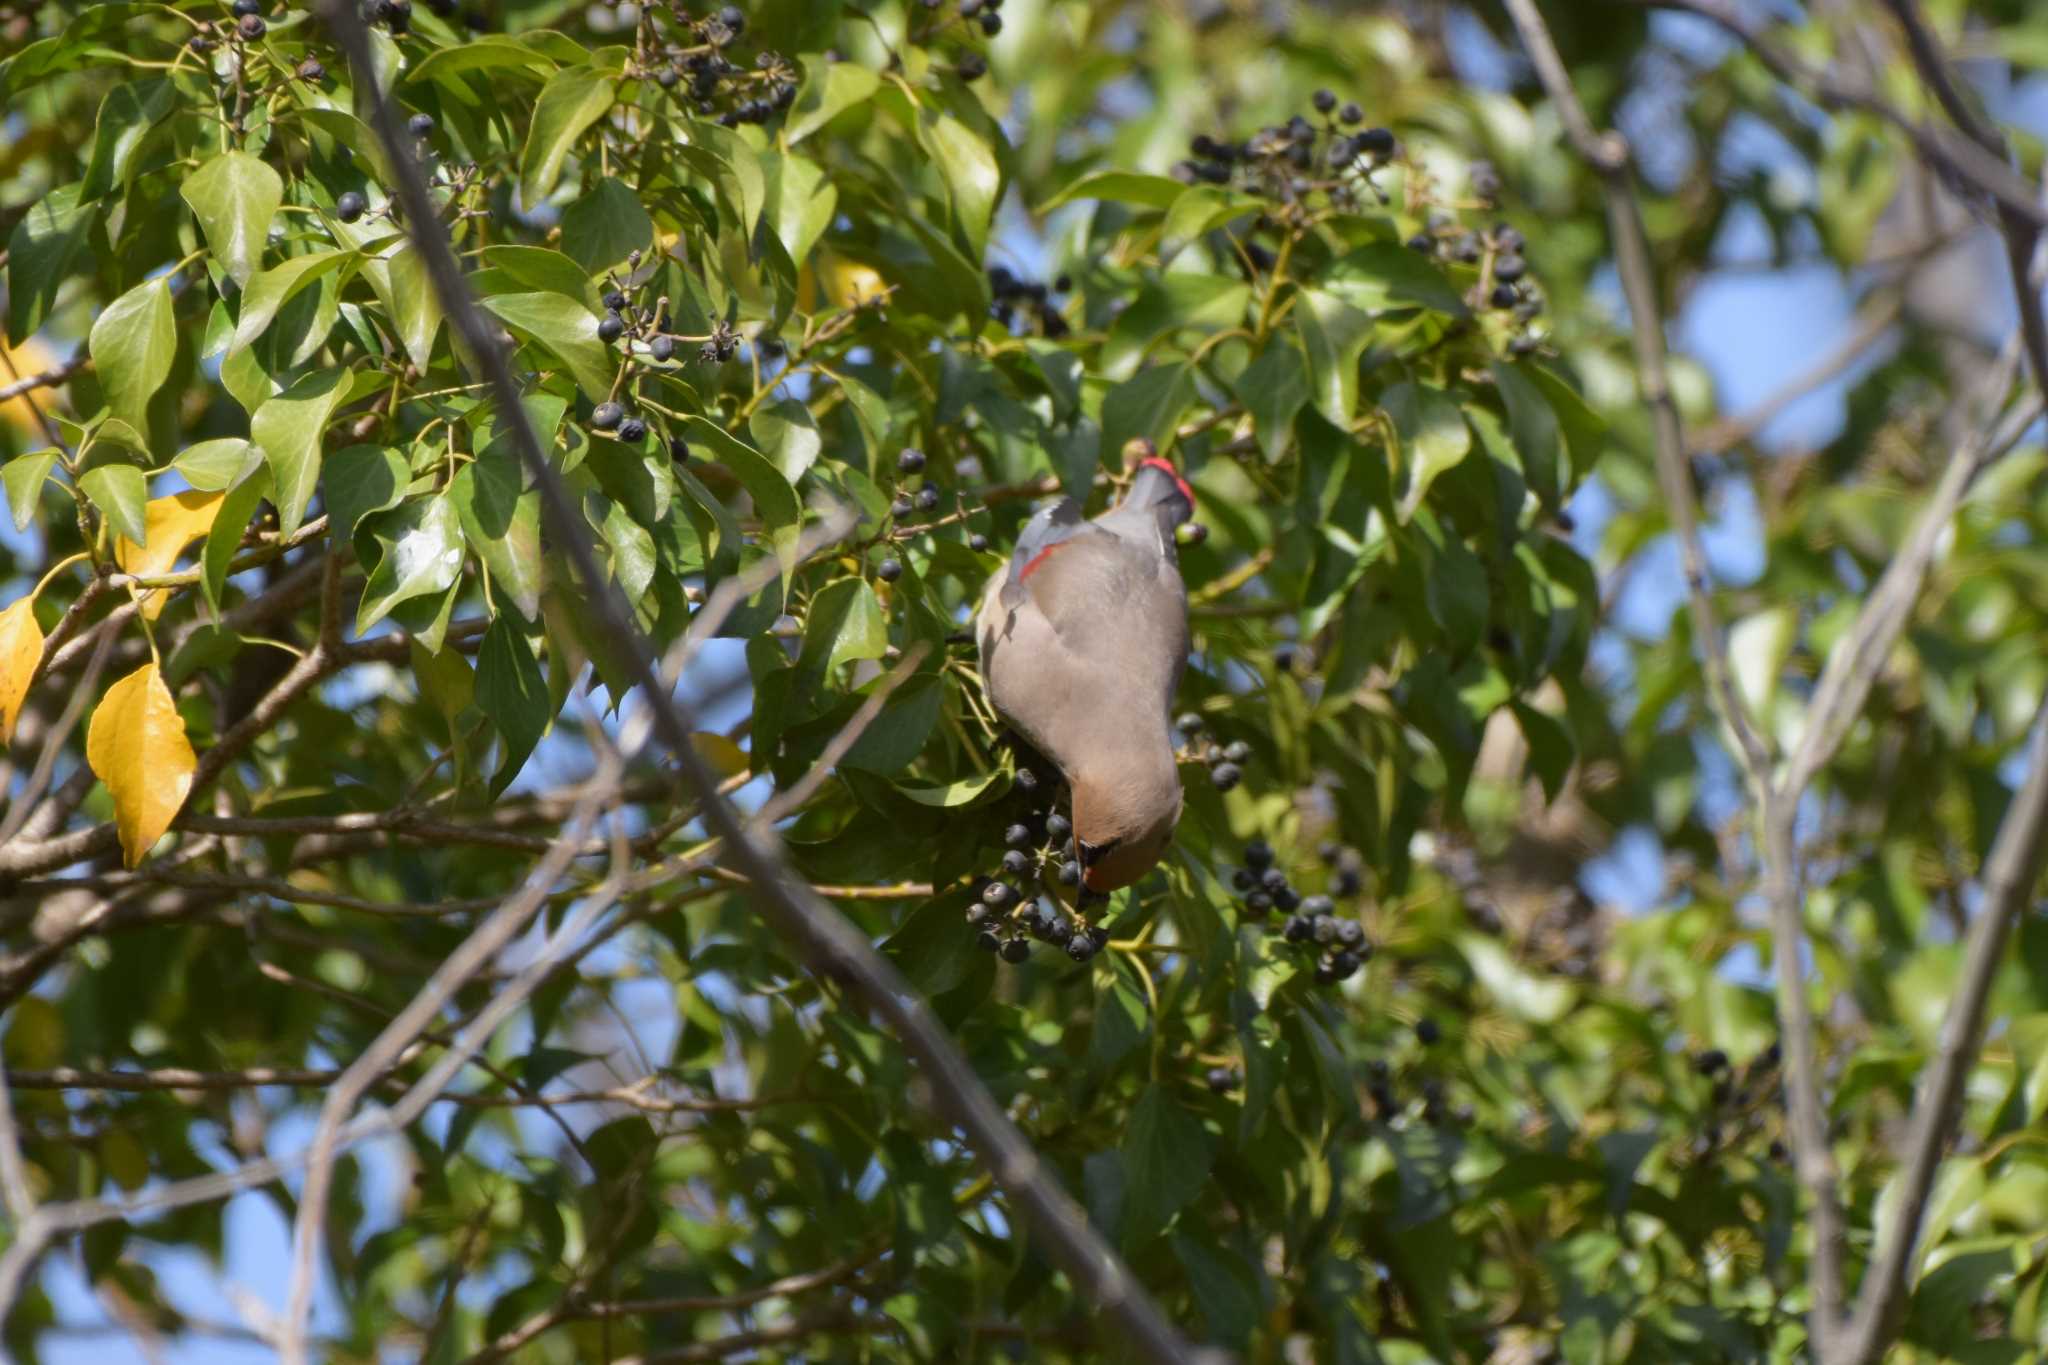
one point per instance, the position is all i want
(414, 550)
(133, 344)
(119, 491)
(289, 428)
(136, 744)
(573, 99)
(235, 196)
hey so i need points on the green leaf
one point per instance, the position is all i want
(1167, 1153)
(574, 98)
(131, 110)
(500, 55)
(1333, 335)
(1536, 999)
(502, 524)
(416, 551)
(1385, 277)
(415, 307)
(224, 537)
(1120, 187)
(1433, 435)
(605, 226)
(1551, 750)
(358, 480)
(1149, 404)
(41, 252)
(119, 491)
(133, 343)
(289, 427)
(800, 203)
(513, 694)
(775, 501)
(271, 289)
(564, 328)
(829, 89)
(1273, 388)
(217, 465)
(787, 435)
(968, 165)
(23, 476)
(234, 197)
(844, 624)
(1532, 426)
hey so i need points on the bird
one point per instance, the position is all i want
(1083, 638)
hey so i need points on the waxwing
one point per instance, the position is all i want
(1083, 638)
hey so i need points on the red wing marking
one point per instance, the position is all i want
(1039, 558)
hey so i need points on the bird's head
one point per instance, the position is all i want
(1123, 821)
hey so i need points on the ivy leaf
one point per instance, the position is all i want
(172, 523)
(289, 427)
(418, 553)
(788, 435)
(271, 289)
(1532, 426)
(563, 327)
(968, 165)
(21, 649)
(237, 509)
(415, 307)
(1167, 1153)
(119, 490)
(1384, 277)
(128, 114)
(217, 465)
(502, 524)
(234, 197)
(133, 343)
(775, 501)
(574, 98)
(136, 744)
(1120, 187)
(1334, 335)
(1149, 404)
(1433, 435)
(829, 90)
(513, 694)
(41, 251)
(359, 480)
(23, 477)
(605, 226)
(1273, 389)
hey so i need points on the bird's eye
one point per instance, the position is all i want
(1094, 853)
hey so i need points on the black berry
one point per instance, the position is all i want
(997, 895)
(911, 460)
(1070, 873)
(1222, 1079)
(1711, 1062)
(1017, 836)
(1258, 855)
(991, 23)
(1504, 296)
(1016, 950)
(421, 125)
(606, 416)
(987, 941)
(1237, 751)
(1509, 268)
(977, 542)
(1225, 776)
(1188, 723)
(1298, 929)
(1017, 862)
(1427, 1032)
(632, 431)
(251, 27)
(972, 67)
(889, 570)
(1351, 114)
(976, 913)
(610, 328)
(1376, 142)
(661, 348)
(678, 449)
(1057, 827)
(350, 206)
(311, 70)
(1081, 947)
(927, 499)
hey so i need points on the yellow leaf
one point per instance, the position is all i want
(29, 358)
(137, 746)
(170, 524)
(21, 649)
(848, 283)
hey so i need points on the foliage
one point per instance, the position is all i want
(337, 698)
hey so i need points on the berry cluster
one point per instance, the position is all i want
(1025, 306)
(1224, 761)
(1503, 272)
(1311, 921)
(914, 496)
(1038, 850)
(970, 15)
(1743, 1100)
(697, 64)
(1288, 162)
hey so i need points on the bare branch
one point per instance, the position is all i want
(2010, 876)
(812, 927)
